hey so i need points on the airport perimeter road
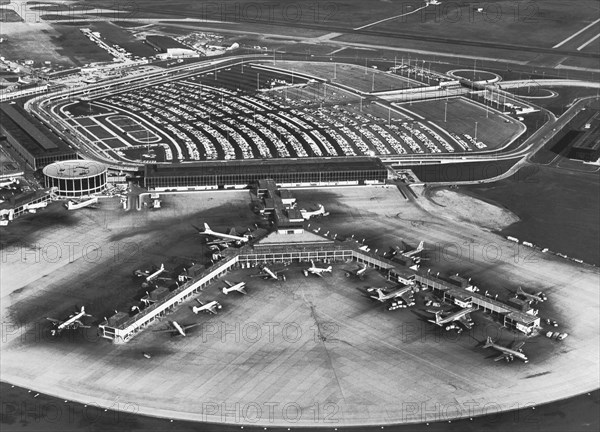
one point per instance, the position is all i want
(307, 352)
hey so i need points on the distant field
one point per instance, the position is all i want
(566, 223)
(536, 23)
(356, 77)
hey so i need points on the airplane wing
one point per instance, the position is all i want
(516, 346)
(242, 290)
(229, 284)
(218, 242)
(200, 230)
(501, 357)
(169, 330)
(55, 321)
(233, 232)
(465, 320)
(406, 297)
(189, 326)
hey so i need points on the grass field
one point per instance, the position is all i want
(544, 23)
(558, 209)
(354, 76)
(493, 129)
(503, 20)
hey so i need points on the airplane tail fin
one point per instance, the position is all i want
(224, 290)
(329, 269)
(162, 267)
(206, 227)
(421, 245)
(520, 291)
(489, 342)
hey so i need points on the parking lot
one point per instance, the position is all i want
(251, 112)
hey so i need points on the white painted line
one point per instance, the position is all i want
(337, 51)
(576, 34)
(588, 42)
(391, 18)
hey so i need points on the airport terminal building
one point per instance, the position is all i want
(304, 246)
(285, 173)
(76, 178)
(35, 145)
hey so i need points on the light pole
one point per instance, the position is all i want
(445, 110)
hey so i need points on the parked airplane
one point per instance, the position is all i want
(177, 329)
(36, 206)
(9, 183)
(462, 317)
(239, 287)
(316, 270)
(73, 322)
(535, 298)
(508, 353)
(411, 253)
(79, 204)
(232, 236)
(359, 273)
(306, 214)
(147, 299)
(156, 273)
(405, 293)
(147, 275)
(267, 273)
(210, 307)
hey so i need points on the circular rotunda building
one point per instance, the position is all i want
(75, 178)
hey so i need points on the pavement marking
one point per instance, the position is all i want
(588, 42)
(391, 18)
(576, 34)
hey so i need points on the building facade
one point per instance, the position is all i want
(76, 178)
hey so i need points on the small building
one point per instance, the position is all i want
(587, 145)
(157, 295)
(107, 328)
(287, 198)
(169, 46)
